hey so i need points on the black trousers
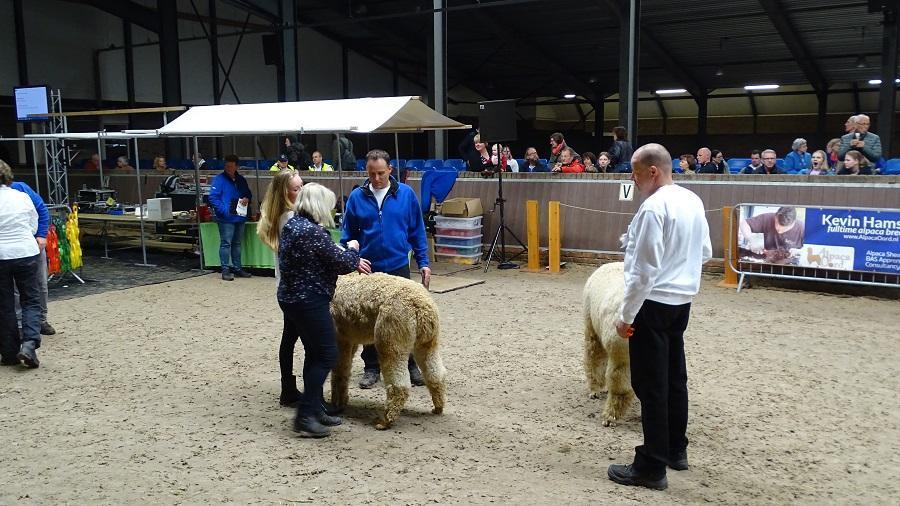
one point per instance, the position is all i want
(659, 379)
(21, 273)
(369, 353)
(312, 322)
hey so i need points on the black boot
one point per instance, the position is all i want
(415, 376)
(327, 420)
(289, 393)
(28, 355)
(370, 377)
(309, 426)
(628, 475)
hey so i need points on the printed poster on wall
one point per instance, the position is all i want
(840, 239)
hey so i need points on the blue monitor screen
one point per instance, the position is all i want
(32, 100)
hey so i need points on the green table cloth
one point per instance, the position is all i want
(253, 252)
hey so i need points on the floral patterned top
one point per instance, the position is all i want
(310, 262)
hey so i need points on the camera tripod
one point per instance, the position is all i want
(503, 262)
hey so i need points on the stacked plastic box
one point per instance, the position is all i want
(458, 240)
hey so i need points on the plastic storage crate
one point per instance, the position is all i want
(444, 240)
(457, 250)
(459, 259)
(458, 232)
(448, 222)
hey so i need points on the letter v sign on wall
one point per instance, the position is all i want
(626, 191)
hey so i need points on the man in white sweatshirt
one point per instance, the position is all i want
(666, 244)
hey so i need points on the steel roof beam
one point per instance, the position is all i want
(797, 47)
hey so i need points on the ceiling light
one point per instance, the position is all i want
(861, 62)
(761, 87)
(878, 81)
(671, 92)
(569, 95)
(720, 72)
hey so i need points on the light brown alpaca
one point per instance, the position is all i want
(399, 317)
(606, 359)
(810, 257)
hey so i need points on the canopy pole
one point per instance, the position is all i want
(100, 165)
(256, 153)
(37, 183)
(340, 177)
(196, 159)
(397, 154)
(137, 167)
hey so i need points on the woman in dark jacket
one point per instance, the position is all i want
(621, 150)
(310, 263)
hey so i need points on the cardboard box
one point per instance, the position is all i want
(159, 209)
(462, 207)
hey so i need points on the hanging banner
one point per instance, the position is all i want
(865, 240)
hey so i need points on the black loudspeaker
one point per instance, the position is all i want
(270, 48)
(497, 120)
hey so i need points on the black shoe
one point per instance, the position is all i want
(289, 393)
(415, 377)
(369, 379)
(227, 276)
(241, 273)
(331, 410)
(308, 426)
(47, 329)
(328, 420)
(626, 475)
(10, 361)
(28, 355)
(679, 461)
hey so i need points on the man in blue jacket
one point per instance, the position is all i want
(230, 193)
(532, 162)
(41, 237)
(384, 216)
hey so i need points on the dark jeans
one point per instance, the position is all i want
(21, 273)
(659, 379)
(230, 235)
(369, 353)
(42, 281)
(312, 322)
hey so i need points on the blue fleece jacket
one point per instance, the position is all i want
(43, 213)
(797, 161)
(386, 235)
(224, 194)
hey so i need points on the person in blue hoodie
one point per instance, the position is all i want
(798, 159)
(41, 237)
(385, 217)
(228, 192)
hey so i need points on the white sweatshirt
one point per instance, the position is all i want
(666, 244)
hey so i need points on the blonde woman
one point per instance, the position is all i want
(277, 209)
(310, 263)
(819, 161)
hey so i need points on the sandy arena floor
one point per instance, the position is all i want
(168, 394)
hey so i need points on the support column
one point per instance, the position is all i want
(821, 118)
(170, 64)
(437, 72)
(887, 95)
(629, 67)
(22, 62)
(289, 48)
(214, 64)
(599, 113)
(702, 113)
(129, 66)
(345, 72)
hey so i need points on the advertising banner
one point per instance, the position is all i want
(865, 240)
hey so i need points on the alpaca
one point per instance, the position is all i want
(810, 258)
(606, 359)
(398, 316)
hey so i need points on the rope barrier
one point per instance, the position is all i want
(614, 212)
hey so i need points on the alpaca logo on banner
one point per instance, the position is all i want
(626, 191)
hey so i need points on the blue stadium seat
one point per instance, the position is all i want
(182, 164)
(433, 164)
(457, 164)
(146, 164)
(892, 167)
(360, 164)
(521, 162)
(216, 164)
(779, 162)
(544, 161)
(735, 165)
(416, 164)
(248, 164)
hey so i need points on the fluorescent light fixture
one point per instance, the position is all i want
(761, 87)
(569, 95)
(671, 92)
(878, 81)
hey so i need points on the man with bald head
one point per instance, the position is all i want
(666, 244)
(862, 140)
(705, 165)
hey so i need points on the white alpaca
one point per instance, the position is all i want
(606, 359)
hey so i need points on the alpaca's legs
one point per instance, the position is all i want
(594, 360)
(395, 372)
(432, 366)
(340, 376)
(618, 378)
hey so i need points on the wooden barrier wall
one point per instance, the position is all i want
(582, 229)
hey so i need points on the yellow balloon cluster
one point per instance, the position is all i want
(72, 235)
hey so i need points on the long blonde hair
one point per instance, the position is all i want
(274, 204)
(317, 202)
